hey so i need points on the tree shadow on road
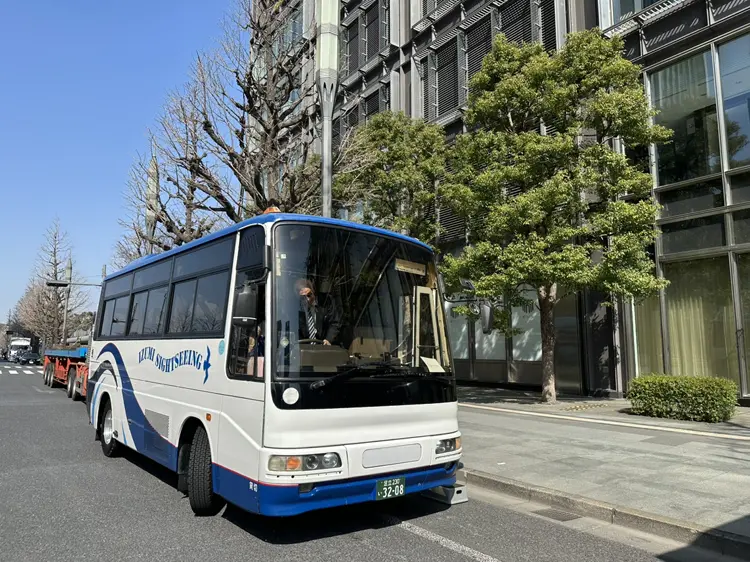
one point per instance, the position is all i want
(332, 522)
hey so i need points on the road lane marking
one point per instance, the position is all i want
(441, 540)
(27, 372)
(13, 372)
(40, 391)
(610, 422)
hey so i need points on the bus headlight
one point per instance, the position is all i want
(447, 445)
(295, 463)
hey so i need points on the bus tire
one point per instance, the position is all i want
(106, 430)
(203, 500)
(71, 382)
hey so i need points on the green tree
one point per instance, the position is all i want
(393, 166)
(547, 210)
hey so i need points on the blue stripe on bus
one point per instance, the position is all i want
(262, 219)
(284, 501)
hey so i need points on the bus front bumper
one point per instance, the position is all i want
(286, 500)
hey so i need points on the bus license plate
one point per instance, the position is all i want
(390, 488)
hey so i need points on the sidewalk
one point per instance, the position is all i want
(694, 474)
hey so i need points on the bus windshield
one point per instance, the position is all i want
(349, 301)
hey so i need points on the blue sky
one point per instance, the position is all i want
(81, 82)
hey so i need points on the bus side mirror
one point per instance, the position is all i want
(487, 316)
(246, 304)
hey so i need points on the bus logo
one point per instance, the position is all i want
(186, 358)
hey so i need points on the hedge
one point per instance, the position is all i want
(706, 399)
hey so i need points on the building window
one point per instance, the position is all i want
(699, 197)
(735, 84)
(647, 317)
(693, 234)
(351, 48)
(626, 8)
(740, 188)
(478, 45)
(515, 16)
(742, 227)
(702, 335)
(743, 272)
(684, 96)
(372, 31)
(372, 106)
(446, 74)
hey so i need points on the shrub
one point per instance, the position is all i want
(705, 399)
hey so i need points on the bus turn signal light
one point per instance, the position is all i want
(294, 463)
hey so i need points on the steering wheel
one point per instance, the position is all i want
(310, 340)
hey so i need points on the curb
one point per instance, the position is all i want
(723, 542)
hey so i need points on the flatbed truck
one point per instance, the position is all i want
(68, 368)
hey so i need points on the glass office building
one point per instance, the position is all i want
(696, 60)
(417, 56)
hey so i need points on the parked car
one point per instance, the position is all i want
(29, 358)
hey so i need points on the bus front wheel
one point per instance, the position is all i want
(203, 500)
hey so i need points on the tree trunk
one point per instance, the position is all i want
(547, 300)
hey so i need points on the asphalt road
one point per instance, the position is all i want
(61, 499)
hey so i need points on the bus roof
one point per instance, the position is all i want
(261, 219)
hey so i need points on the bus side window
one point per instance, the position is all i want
(247, 342)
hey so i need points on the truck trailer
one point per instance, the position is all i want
(68, 368)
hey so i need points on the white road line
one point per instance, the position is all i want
(441, 540)
(27, 372)
(13, 372)
(40, 391)
(610, 422)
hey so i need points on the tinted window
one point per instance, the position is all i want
(208, 257)
(117, 286)
(120, 317)
(252, 248)
(138, 313)
(156, 311)
(182, 307)
(109, 309)
(211, 303)
(157, 273)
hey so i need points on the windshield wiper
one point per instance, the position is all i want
(391, 371)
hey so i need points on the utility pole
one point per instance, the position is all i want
(327, 75)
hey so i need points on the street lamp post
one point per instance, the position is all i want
(67, 283)
(327, 75)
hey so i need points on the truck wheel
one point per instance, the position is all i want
(106, 431)
(48, 374)
(203, 500)
(74, 394)
(71, 382)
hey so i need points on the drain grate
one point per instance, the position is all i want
(557, 515)
(579, 407)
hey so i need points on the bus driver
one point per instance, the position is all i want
(317, 322)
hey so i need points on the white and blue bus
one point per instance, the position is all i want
(284, 364)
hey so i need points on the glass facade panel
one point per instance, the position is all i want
(650, 354)
(684, 95)
(489, 346)
(626, 8)
(458, 331)
(701, 319)
(742, 227)
(740, 188)
(699, 197)
(735, 85)
(693, 234)
(527, 346)
(743, 272)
